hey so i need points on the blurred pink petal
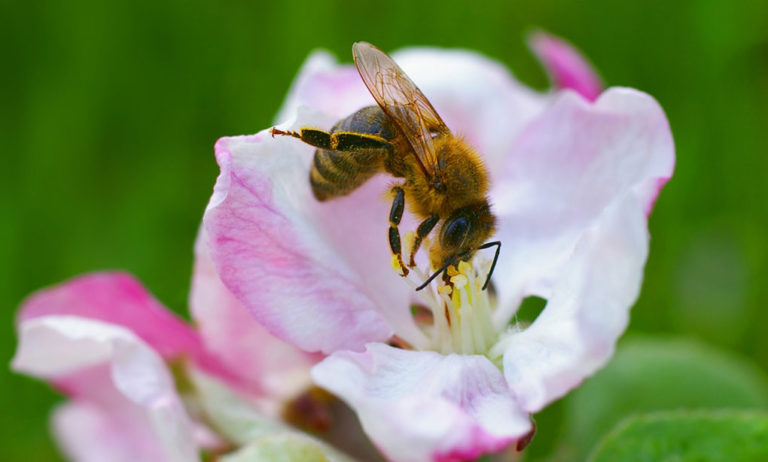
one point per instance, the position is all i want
(118, 298)
(566, 66)
(419, 406)
(124, 397)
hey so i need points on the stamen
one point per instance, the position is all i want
(461, 310)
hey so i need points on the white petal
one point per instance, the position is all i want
(586, 313)
(570, 164)
(420, 406)
(572, 209)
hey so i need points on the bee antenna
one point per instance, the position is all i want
(436, 274)
(495, 259)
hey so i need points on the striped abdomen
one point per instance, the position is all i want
(337, 173)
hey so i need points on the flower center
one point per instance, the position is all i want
(457, 317)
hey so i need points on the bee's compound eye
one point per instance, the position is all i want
(455, 232)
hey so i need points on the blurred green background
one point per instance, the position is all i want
(110, 111)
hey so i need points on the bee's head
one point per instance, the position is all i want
(463, 232)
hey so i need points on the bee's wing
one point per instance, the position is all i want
(401, 100)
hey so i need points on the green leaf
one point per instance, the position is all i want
(687, 436)
(653, 374)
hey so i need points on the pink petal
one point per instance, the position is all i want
(571, 174)
(419, 406)
(120, 299)
(566, 66)
(125, 402)
(275, 368)
(86, 432)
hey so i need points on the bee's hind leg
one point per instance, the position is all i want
(312, 136)
(337, 141)
(395, 215)
(422, 231)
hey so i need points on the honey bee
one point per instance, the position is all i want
(445, 181)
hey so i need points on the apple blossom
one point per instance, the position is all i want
(574, 177)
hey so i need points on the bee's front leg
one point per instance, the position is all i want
(395, 215)
(422, 231)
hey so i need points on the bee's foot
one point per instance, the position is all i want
(276, 131)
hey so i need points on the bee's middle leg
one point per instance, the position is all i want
(422, 231)
(395, 215)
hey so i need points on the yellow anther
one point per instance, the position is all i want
(451, 270)
(459, 281)
(445, 290)
(465, 268)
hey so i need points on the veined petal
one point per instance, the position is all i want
(118, 298)
(566, 66)
(567, 167)
(120, 386)
(275, 368)
(419, 406)
(306, 271)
